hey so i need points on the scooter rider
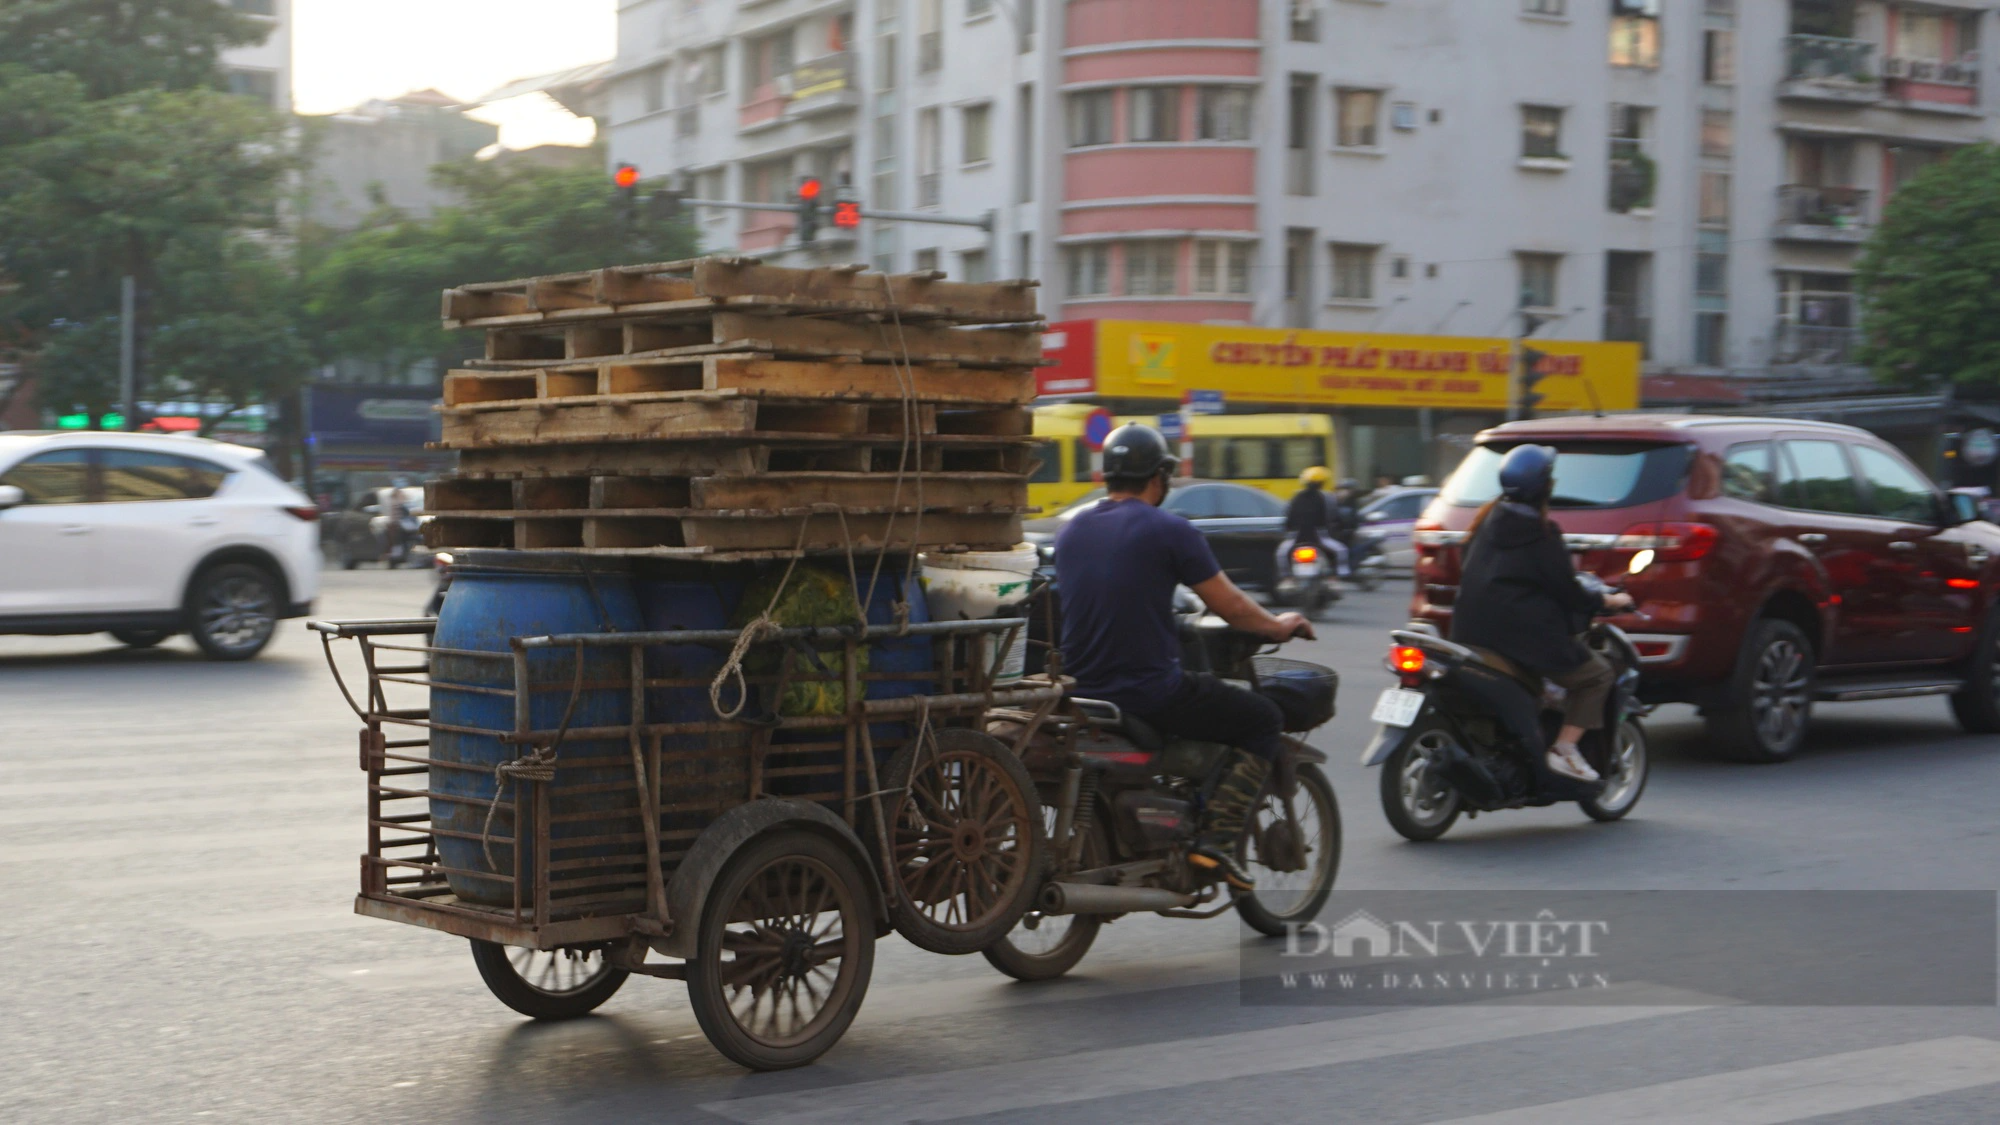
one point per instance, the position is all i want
(1518, 597)
(1118, 563)
(1309, 520)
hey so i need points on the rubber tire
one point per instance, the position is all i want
(506, 984)
(1977, 705)
(1272, 924)
(1005, 956)
(705, 993)
(214, 649)
(1599, 813)
(904, 915)
(1392, 796)
(141, 638)
(1732, 729)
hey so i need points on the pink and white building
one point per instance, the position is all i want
(1693, 174)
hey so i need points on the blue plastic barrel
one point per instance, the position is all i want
(699, 773)
(496, 596)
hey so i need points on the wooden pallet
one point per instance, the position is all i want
(698, 288)
(680, 533)
(647, 418)
(789, 336)
(643, 458)
(774, 491)
(746, 375)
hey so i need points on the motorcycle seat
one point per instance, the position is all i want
(1111, 717)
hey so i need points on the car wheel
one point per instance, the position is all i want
(1977, 704)
(1770, 696)
(233, 611)
(140, 638)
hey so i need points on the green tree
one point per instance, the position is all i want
(373, 294)
(228, 333)
(1929, 278)
(118, 46)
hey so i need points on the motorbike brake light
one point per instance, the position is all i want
(1671, 542)
(308, 514)
(1305, 554)
(1407, 660)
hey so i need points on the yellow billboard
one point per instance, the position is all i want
(1148, 359)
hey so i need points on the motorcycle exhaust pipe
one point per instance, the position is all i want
(1087, 898)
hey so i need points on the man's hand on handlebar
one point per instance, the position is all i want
(1618, 600)
(1292, 625)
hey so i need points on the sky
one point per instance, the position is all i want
(347, 51)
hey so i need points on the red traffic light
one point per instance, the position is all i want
(847, 215)
(627, 176)
(809, 189)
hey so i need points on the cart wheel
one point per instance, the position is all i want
(784, 952)
(559, 984)
(967, 854)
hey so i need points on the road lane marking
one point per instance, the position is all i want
(1093, 1075)
(1772, 1095)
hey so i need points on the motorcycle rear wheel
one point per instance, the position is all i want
(1294, 875)
(1420, 805)
(1045, 946)
(1624, 775)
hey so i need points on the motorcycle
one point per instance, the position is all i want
(1461, 735)
(1122, 802)
(1307, 577)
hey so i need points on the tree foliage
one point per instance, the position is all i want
(1930, 275)
(374, 294)
(119, 46)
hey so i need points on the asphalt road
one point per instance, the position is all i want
(177, 855)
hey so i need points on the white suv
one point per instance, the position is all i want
(147, 536)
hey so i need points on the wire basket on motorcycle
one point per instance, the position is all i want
(1304, 691)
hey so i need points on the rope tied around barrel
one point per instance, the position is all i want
(763, 628)
(538, 765)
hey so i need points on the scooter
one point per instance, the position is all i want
(1306, 577)
(1461, 735)
(1122, 802)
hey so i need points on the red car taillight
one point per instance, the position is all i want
(1670, 542)
(308, 514)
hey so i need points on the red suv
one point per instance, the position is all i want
(1796, 562)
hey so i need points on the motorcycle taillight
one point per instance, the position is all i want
(1305, 554)
(1407, 661)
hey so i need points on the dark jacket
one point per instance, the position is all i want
(1307, 514)
(1518, 593)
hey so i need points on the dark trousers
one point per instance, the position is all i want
(1205, 709)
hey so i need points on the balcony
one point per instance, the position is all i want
(1812, 345)
(1823, 214)
(1824, 68)
(1933, 84)
(1633, 178)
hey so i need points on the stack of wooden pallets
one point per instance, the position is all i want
(722, 408)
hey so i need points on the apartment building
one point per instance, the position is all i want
(263, 70)
(1694, 175)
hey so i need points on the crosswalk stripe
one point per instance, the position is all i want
(1090, 1075)
(1772, 1095)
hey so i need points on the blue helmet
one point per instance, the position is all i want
(1528, 474)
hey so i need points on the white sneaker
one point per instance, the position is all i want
(1566, 761)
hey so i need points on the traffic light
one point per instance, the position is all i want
(627, 180)
(846, 214)
(1531, 374)
(808, 197)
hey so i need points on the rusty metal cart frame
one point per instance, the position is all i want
(941, 842)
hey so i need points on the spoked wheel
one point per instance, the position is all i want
(234, 611)
(1291, 846)
(1045, 946)
(1624, 774)
(966, 850)
(784, 952)
(559, 984)
(1420, 804)
(1771, 696)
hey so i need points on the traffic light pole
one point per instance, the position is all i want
(989, 222)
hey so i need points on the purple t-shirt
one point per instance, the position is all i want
(1117, 564)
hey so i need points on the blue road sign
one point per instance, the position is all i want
(1096, 428)
(1204, 402)
(1170, 427)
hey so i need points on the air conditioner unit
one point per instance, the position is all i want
(1923, 69)
(1961, 73)
(1895, 67)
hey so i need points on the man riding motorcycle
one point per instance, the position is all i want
(1118, 564)
(1309, 520)
(1518, 598)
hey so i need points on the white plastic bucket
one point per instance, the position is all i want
(976, 585)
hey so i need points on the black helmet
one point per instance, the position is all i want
(1137, 453)
(1528, 474)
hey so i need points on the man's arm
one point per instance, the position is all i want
(1224, 600)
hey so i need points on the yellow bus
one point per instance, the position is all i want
(1266, 451)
